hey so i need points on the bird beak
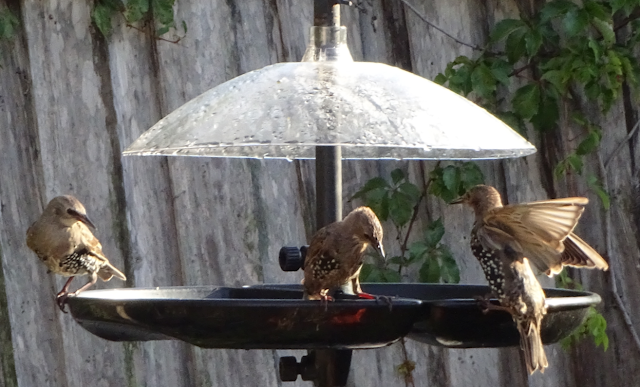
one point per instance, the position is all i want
(380, 249)
(457, 200)
(82, 217)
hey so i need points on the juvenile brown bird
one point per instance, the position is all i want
(336, 253)
(508, 240)
(62, 240)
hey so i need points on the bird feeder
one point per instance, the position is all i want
(330, 108)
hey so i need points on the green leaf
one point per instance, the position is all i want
(8, 24)
(590, 143)
(460, 80)
(504, 28)
(397, 260)
(184, 26)
(594, 45)
(381, 208)
(554, 9)
(514, 121)
(434, 233)
(400, 208)
(372, 184)
(367, 272)
(626, 6)
(592, 90)
(136, 10)
(429, 271)
(548, 112)
(162, 30)
(411, 190)
(163, 12)
(417, 251)
(594, 184)
(606, 30)
(597, 11)
(449, 270)
(533, 41)
(555, 77)
(101, 16)
(515, 45)
(440, 79)
(575, 162)
(576, 21)
(451, 178)
(470, 176)
(397, 175)
(526, 101)
(501, 70)
(631, 69)
(483, 81)
(391, 275)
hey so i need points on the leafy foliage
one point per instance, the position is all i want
(398, 200)
(567, 47)
(134, 11)
(393, 200)
(594, 325)
(454, 180)
(8, 24)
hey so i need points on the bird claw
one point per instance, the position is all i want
(379, 298)
(61, 299)
(324, 300)
(484, 302)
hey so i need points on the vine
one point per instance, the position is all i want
(562, 51)
(8, 25)
(137, 11)
(398, 200)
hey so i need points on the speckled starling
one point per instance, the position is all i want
(336, 253)
(509, 240)
(64, 243)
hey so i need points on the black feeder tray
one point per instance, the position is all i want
(276, 316)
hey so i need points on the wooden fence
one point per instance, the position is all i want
(72, 100)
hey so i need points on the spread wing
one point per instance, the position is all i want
(540, 228)
(578, 253)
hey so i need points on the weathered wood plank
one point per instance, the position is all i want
(154, 256)
(77, 139)
(31, 335)
(71, 101)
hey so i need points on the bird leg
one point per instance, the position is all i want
(94, 278)
(485, 305)
(61, 297)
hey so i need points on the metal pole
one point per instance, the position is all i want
(328, 185)
(332, 365)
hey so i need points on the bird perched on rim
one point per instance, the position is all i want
(510, 240)
(336, 253)
(62, 240)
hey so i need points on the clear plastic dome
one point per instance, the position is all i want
(371, 110)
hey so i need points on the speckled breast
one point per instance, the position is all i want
(491, 265)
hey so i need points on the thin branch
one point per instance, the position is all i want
(153, 35)
(521, 69)
(403, 247)
(622, 143)
(614, 287)
(445, 33)
(635, 15)
(408, 377)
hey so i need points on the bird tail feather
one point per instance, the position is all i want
(531, 344)
(108, 271)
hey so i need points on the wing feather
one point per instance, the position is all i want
(540, 227)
